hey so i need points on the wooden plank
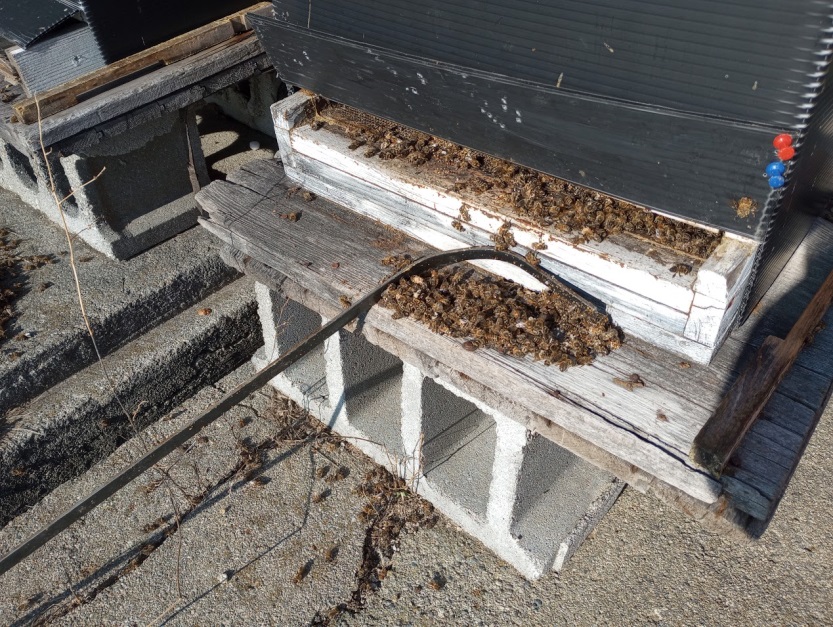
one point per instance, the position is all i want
(725, 429)
(180, 47)
(167, 89)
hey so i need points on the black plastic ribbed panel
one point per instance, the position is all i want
(25, 21)
(123, 28)
(744, 59)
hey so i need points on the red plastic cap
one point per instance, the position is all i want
(782, 141)
(785, 154)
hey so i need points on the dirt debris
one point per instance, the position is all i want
(497, 313)
(391, 510)
(552, 203)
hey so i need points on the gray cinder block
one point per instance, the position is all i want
(527, 499)
(144, 195)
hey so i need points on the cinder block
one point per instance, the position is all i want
(284, 323)
(249, 101)
(527, 499)
(458, 447)
(144, 194)
(367, 383)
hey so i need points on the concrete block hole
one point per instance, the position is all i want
(555, 490)
(458, 448)
(372, 391)
(19, 164)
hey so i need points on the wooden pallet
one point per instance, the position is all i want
(222, 32)
(581, 409)
(689, 314)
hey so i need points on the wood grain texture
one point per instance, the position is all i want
(612, 428)
(739, 409)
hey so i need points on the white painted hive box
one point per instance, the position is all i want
(689, 314)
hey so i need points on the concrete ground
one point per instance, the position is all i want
(263, 519)
(253, 540)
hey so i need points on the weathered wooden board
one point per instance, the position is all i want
(148, 97)
(71, 93)
(582, 401)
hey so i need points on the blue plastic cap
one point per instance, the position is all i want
(776, 168)
(776, 181)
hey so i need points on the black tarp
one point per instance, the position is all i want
(25, 21)
(121, 28)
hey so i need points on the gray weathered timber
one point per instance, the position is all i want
(582, 401)
(147, 97)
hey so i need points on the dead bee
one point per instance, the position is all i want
(465, 216)
(532, 258)
(345, 302)
(539, 246)
(153, 526)
(632, 382)
(320, 496)
(322, 472)
(316, 125)
(679, 269)
(19, 472)
(293, 190)
(302, 573)
(744, 207)
(437, 582)
(309, 196)
(294, 216)
(503, 239)
(356, 144)
(260, 481)
(471, 345)
(331, 554)
(458, 225)
(371, 152)
(661, 416)
(684, 364)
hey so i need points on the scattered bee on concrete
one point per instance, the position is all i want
(745, 207)
(342, 473)
(322, 472)
(345, 302)
(293, 190)
(356, 144)
(19, 472)
(684, 364)
(303, 572)
(539, 245)
(321, 496)
(260, 481)
(292, 216)
(308, 196)
(156, 524)
(458, 225)
(331, 554)
(631, 383)
(661, 416)
(465, 216)
(437, 582)
(316, 125)
(205, 311)
(471, 345)
(679, 269)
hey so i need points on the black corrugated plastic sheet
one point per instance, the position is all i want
(742, 59)
(125, 27)
(25, 21)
